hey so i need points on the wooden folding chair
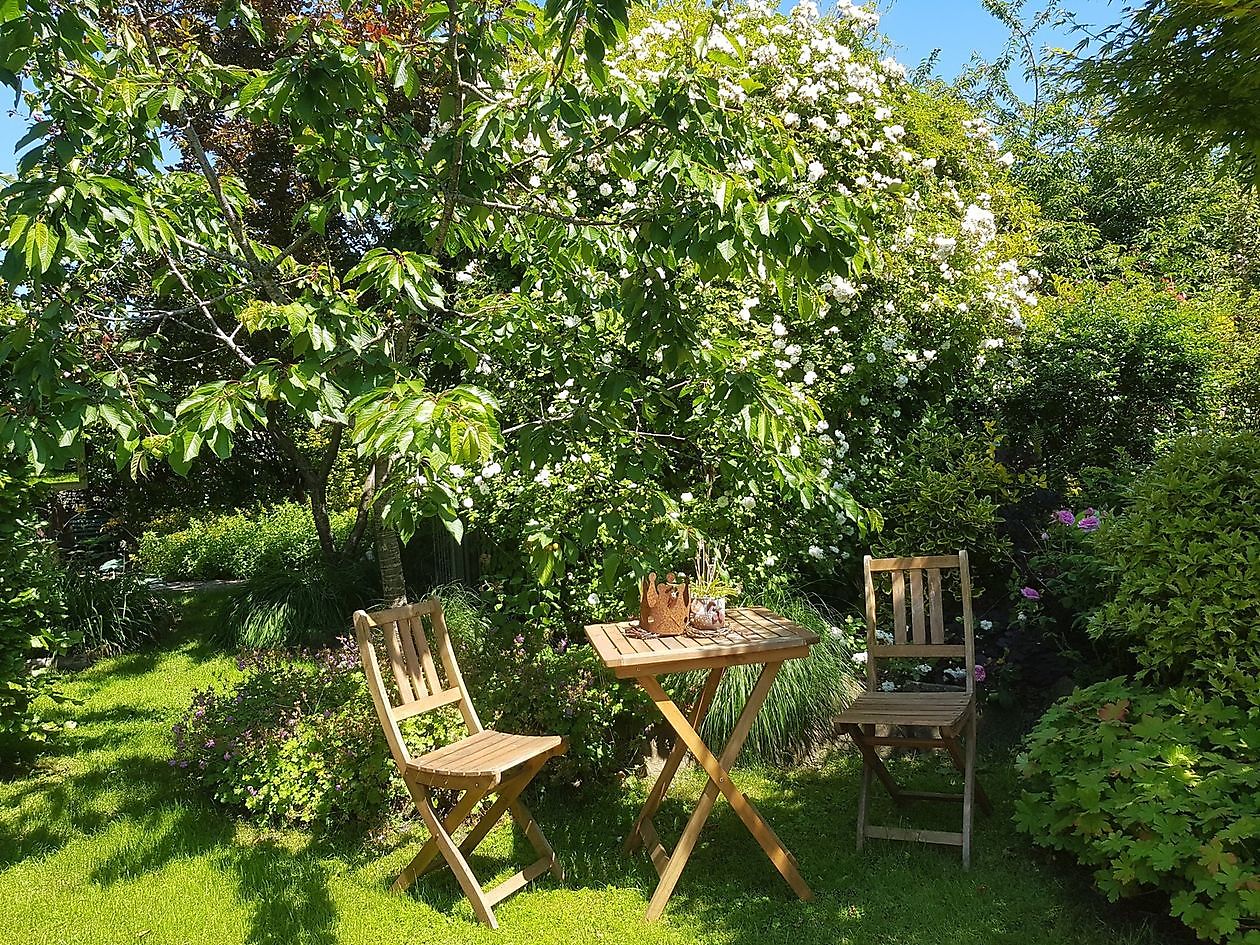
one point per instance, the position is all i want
(950, 714)
(486, 762)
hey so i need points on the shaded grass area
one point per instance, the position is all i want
(104, 843)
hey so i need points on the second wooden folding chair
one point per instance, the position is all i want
(946, 715)
(483, 764)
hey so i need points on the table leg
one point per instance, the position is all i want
(719, 781)
(673, 761)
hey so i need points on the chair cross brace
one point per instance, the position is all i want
(507, 801)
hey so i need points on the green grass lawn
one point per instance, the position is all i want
(104, 843)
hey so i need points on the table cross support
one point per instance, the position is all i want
(669, 866)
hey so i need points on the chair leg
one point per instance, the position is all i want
(507, 793)
(423, 861)
(459, 866)
(960, 762)
(969, 787)
(871, 757)
(863, 796)
(537, 839)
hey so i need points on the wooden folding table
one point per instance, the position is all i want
(754, 635)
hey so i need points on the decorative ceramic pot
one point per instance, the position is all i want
(708, 613)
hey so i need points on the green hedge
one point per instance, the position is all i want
(237, 545)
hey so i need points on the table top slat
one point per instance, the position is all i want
(750, 630)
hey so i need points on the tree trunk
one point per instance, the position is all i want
(389, 558)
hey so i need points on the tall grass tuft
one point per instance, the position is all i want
(111, 613)
(806, 695)
(310, 604)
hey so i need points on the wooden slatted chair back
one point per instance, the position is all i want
(411, 636)
(922, 625)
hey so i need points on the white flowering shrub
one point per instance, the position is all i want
(848, 363)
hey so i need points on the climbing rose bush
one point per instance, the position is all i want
(925, 317)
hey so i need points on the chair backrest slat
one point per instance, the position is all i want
(415, 671)
(899, 606)
(918, 625)
(408, 628)
(397, 661)
(927, 624)
(937, 615)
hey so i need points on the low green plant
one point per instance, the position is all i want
(1183, 564)
(294, 739)
(534, 685)
(237, 545)
(1154, 790)
(111, 612)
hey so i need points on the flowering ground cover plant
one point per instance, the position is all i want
(294, 740)
(1154, 790)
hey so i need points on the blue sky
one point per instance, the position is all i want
(960, 27)
(916, 27)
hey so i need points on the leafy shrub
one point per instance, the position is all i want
(32, 625)
(111, 613)
(1183, 564)
(237, 545)
(309, 602)
(537, 685)
(946, 490)
(1154, 790)
(295, 740)
(1113, 371)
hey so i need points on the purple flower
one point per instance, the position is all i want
(1030, 593)
(519, 640)
(1065, 517)
(1088, 522)
(981, 674)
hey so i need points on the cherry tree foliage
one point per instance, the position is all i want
(686, 260)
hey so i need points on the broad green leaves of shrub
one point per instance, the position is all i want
(31, 615)
(1185, 566)
(1154, 790)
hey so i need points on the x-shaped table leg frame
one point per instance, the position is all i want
(669, 866)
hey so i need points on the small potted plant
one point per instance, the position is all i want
(710, 589)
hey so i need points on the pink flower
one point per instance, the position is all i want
(1089, 522)
(1030, 593)
(981, 674)
(1065, 517)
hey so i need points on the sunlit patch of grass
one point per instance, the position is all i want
(104, 843)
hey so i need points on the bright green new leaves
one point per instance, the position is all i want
(400, 278)
(426, 441)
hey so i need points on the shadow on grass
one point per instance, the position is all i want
(286, 892)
